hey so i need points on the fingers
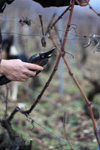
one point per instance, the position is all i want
(30, 73)
(33, 66)
(27, 75)
(23, 78)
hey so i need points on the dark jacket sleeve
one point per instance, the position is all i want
(3, 4)
(53, 3)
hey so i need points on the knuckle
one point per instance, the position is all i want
(24, 71)
(33, 73)
(21, 76)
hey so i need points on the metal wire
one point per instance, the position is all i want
(33, 22)
(47, 130)
(46, 36)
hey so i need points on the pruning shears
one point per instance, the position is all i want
(39, 59)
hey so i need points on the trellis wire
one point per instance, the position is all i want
(60, 30)
(47, 130)
(40, 35)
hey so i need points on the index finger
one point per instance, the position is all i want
(33, 66)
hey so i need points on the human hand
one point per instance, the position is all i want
(16, 70)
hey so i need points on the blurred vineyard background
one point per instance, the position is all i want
(62, 95)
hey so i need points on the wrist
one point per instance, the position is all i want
(2, 62)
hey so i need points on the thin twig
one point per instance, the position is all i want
(60, 16)
(41, 22)
(92, 8)
(56, 30)
(43, 40)
(49, 25)
(60, 40)
(68, 25)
